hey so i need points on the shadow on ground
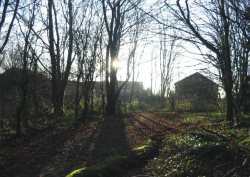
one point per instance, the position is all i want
(54, 153)
(57, 153)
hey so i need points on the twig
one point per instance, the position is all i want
(236, 168)
(221, 165)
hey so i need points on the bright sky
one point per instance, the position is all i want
(185, 64)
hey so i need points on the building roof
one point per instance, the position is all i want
(197, 74)
(14, 76)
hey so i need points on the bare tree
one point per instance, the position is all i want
(21, 111)
(82, 44)
(60, 70)
(212, 31)
(5, 25)
(88, 69)
(167, 57)
(135, 40)
(88, 43)
(116, 23)
(240, 43)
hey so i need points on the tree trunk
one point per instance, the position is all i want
(111, 100)
(78, 96)
(86, 102)
(229, 100)
(112, 91)
(59, 78)
(21, 116)
(35, 100)
(111, 104)
(228, 85)
(18, 119)
(92, 99)
(57, 96)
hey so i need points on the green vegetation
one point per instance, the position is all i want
(114, 165)
(7, 134)
(207, 146)
(108, 168)
(193, 105)
(133, 106)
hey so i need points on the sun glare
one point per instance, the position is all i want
(115, 64)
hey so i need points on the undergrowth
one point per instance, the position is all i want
(206, 147)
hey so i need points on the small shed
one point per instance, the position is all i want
(196, 93)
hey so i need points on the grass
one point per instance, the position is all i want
(207, 146)
(7, 134)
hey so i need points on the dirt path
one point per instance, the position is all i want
(58, 153)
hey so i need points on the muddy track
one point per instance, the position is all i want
(57, 153)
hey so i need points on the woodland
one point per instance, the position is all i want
(73, 101)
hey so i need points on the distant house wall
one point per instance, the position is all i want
(125, 93)
(196, 93)
(137, 87)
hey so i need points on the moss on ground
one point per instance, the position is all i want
(107, 168)
(141, 148)
(114, 165)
